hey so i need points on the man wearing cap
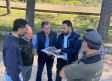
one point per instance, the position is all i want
(101, 50)
(90, 67)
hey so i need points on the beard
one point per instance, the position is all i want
(66, 33)
(83, 51)
(21, 35)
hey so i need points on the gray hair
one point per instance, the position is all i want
(44, 23)
(93, 46)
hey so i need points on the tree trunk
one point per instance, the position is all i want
(105, 15)
(8, 7)
(30, 12)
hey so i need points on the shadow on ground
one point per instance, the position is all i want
(4, 15)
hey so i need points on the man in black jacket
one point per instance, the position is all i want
(27, 53)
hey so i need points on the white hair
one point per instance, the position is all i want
(28, 27)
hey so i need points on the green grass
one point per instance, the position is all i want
(80, 22)
(6, 21)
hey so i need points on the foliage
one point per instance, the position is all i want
(15, 0)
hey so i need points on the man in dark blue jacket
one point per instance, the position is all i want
(69, 45)
(12, 52)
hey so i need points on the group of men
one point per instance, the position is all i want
(18, 53)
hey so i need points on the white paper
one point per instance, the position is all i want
(51, 50)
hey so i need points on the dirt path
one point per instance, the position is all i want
(107, 73)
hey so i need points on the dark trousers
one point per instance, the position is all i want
(59, 67)
(49, 64)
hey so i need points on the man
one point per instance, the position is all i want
(12, 52)
(101, 51)
(69, 45)
(90, 67)
(44, 39)
(27, 53)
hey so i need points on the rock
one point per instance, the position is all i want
(3, 35)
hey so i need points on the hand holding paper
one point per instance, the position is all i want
(57, 51)
(53, 51)
(49, 54)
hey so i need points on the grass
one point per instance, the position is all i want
(80, 22)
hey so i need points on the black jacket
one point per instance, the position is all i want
(27, 52)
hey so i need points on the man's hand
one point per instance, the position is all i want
(57, 51)
(49, 54)
(53, 57)
(62, 73)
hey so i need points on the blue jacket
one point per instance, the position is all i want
(73, 46)
(12, 57)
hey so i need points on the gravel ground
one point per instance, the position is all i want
(107, 73)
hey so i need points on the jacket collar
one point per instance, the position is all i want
(49, 33)
(93, 54)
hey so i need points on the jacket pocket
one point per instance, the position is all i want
(70, 42)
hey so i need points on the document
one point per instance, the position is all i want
(51, 50)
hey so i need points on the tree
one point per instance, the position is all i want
(30, 12)
(8, 7)
(105, 15)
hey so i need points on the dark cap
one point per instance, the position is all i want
(92, 37)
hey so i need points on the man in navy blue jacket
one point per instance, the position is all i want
(45, 39)
(69, 45)
(12, 52)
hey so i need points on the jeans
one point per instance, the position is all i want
(26, 72)
(49, 64)
(59, 67)
(8, 78)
